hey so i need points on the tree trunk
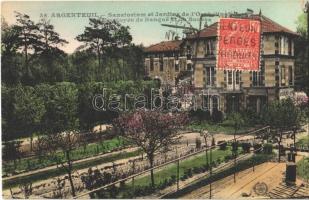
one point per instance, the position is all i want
(151, 159)
(294, 139)
(279, 148)
(235, 155)
(31, 142)
(70, 173)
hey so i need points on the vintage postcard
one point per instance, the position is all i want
(155, 99)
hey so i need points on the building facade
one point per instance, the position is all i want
(228, 90)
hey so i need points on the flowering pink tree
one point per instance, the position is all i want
(151, 131)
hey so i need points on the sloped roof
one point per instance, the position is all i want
(173, 45)
(268, 26)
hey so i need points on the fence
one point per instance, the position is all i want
(177, 160)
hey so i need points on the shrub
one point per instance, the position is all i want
(222, 145)
(234, 146)
(205, 168)
(257, 148)
(197, 170)
(251, 117)
(188, 172)
(246, 147)
(173, 179)
(268, 148)
(198, 143)
(199, 115)
(217, 116)
(184, 177)
(227, 158)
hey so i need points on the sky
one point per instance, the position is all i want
(149, 30)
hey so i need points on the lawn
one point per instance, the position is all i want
(304, 141)
(196, 161)
(33, 163)
(165, 173)
(59, 171)
(303, 168)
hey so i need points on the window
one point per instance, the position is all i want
(189, 67)
(230, 79)
(161, 64)
(151, 64)
(277, 75)
(237, 77)
(283, 75)
(215, 103)
(258, 77)
(177, 67)
(290, 46)
(210, 76)
(291, 75)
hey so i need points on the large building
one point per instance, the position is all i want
(228, 90)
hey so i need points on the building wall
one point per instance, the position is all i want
(276, 54)
(170, 71)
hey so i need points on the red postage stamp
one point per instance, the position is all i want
(239, 44)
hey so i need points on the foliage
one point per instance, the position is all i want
(66, 142)
(246, 147)
(11, 151)
(31, 53)
(199, 115)
(281, 116)
(241, 165)
(303, 142)
(151, 131)
(302, 168)
(222, 145)
(268, 148)
(302, 55)
(59, 172)
(217, 116)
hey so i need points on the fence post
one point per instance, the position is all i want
(177, 169)
(210, 172)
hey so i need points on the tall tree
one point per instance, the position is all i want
(124, 38)
(281, 116)
(50, 38)
(151, 131)
(302, 55)
(11, 60)
(98, 35)
(28, 40)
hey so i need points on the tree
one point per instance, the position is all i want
(237, 121)
(49, 37)
(99, 35)
(11, 151)
(50, 61)
(151, 131)
(10, 59)
(28, 40)
(66, 142)
(281, 116)
(302, 54)
(124, 38)
(61, 103)
(28, 111)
